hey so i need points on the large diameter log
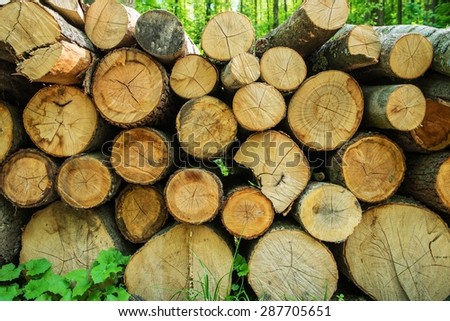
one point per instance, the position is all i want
(183, 262)
(287, 263)
(326, 110)
(352, 47)
(428, 179)
(309, 27)
(110, 24)
(130, 88)
(247, 213)
(279, 166)
(241, 70)
(327, 211)
(140, 212)
(227, 35)
(400, 107)
(142, 155)
(71, 10)
(370, 165)
(87, 180)
(63, 121)
(161, 34)
(70, 239)
(206, 127)
(400, 252)
(27, 178)
(12, 133)
(193, 195)
(258, 107)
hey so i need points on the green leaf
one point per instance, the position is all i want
(35, 288)
(234, 287)
(240, 265)
(95, 295)
(82, 282)
(10, 272)
(122, 295)
(57, 284)
(111, 256)
(104, 272)
(44, 297)
(111, 297)
(224, 170)
(37, 266)
(9, 292)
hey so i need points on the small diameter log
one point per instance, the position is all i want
(400, 107)
(69, 238)
(241, 70)
(428, 179)
(326, 110)
(309, 27)
(193, 195)
(227, 35)
(370, 165)
(327, 211)
(279, 166)
(177, 262)
(87, 180)
(283, 68)
(206, 127)
(71, 10)
(287, 263)
(27, 178)
(110, 24)
(161, 34)
(400, 252)
(12, 133)
(352, 47)
(247, 213)
(140, 212)
(258, 107)
(193, 76)
(130, 88)
(142, 155)
(63, 121)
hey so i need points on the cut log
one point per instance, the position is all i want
(283, 68)
(352, 47)
(227, 35)
(87, 180)
(193, 195)
(309, 27)
(70, 239)
(326, 110)
(110, 24)
(12, 133)
(247, 213)
(27, 178)
(400, 252)
(142, 155)
(206, 127)
(370, 165)
(327, 211)
(130, 88)
(258, 107)
(279, 166)
(183, 262)
(71, 10)
(241, 70)
(428, 179)
(140, 212)
(63, 121)
(289, 264)
(161, 34)
(193, 76)
(434, 85)
(400, 107)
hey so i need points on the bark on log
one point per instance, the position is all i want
(193, 195)
(12, 133)
(63, 121)
(289, 264)
(326, 110)
(140, 212)
(70, 239)
(131, 89)
(258, 107)
(27, 178)
(71, 10)
(241, 70)
(352, 47)
(400, 107)
(327, 211)
(178, 261)
(309, 27)
(434, 85)
(400, 252)
(370, 165)
(279, 166)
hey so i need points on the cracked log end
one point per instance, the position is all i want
(242, 70)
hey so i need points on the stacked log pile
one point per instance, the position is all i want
(332, 142)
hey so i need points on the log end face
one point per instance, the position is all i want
(327, 14)
(443, 184)
(6, 131)
(364, 40)
(406, 107)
